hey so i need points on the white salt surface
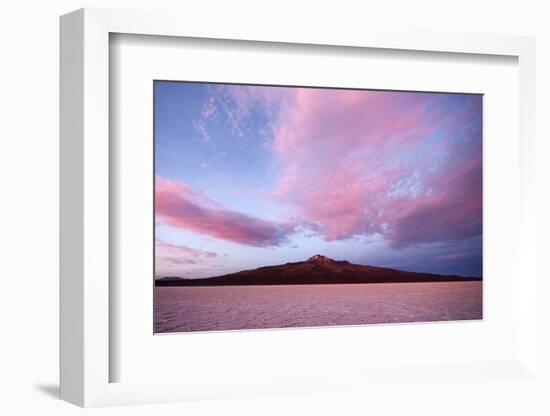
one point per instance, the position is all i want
(184, 309)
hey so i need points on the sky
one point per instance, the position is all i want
(248, 176)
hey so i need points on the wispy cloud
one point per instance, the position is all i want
(178, 205)
(173, 258)
(456, 256)
(200, 128)
(180, 254)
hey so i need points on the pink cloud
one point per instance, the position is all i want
(455, 256)
(342, 120)
(356, 163)
(172, 258)
(453, 212)
(177, 254)
(178, 205)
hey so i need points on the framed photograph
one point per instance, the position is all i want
(271, 212)
(251, 181)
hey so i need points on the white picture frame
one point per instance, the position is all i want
(85, 205)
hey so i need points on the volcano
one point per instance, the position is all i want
(317, 269)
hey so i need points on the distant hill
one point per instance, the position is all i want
(315, 270)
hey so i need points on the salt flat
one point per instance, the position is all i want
(216, 308)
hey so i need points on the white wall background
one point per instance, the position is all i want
(29, 206)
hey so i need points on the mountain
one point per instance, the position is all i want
(170, 279)
(315, 270)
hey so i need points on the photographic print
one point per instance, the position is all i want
(283, 206)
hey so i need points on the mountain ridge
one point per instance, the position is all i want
(318, 269)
